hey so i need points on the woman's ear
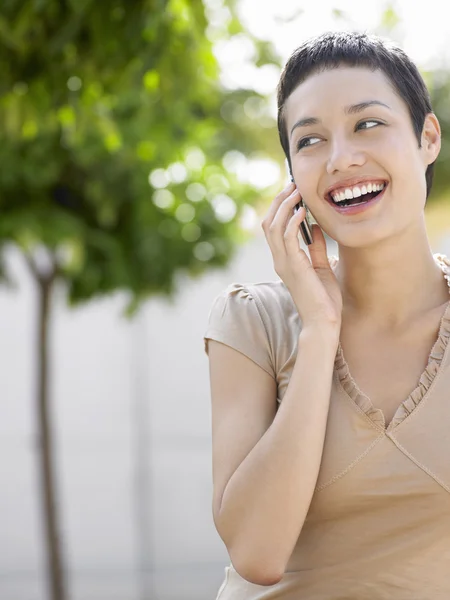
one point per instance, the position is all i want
(431, 138)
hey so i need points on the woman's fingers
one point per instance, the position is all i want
(285, 211)
(281, 225)
(291, 241)
(275, 205)
(318, 249)
(276, 229)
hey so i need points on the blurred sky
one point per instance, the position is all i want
(422, 32)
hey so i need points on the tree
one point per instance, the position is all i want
(114, 126)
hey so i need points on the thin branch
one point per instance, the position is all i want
(55, 270)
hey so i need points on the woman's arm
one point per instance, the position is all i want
(266, 462)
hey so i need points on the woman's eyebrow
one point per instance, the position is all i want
(349, 110)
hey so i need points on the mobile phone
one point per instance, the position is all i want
(305, 226)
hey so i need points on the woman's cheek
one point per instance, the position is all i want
(307, 178)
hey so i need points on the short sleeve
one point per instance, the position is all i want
(235, 319)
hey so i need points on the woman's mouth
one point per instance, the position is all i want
(357, 202)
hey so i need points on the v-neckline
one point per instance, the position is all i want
(435, 358)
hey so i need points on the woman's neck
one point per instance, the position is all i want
(389, 285)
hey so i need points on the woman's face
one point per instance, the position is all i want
(357, 129)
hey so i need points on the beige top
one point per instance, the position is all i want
(378, 526)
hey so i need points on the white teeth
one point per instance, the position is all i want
(356, 192)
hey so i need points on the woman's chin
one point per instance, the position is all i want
(362, 237)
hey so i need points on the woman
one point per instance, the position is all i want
(330, 387)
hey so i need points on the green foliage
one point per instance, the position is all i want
(438, 83)
(94, 98)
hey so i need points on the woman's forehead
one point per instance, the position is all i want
(339, 88)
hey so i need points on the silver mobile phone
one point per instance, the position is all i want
(305, 226)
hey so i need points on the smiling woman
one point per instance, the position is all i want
(375, 137)
(331, 473)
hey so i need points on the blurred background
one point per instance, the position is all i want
(138, 155)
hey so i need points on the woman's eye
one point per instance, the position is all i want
(305, 142)
(371, 122)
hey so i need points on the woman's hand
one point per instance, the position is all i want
(311, 283)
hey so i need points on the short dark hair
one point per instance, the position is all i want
(354, 49)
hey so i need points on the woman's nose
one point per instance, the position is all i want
(343, 155)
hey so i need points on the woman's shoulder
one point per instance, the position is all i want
(271, 298)
(257, 318)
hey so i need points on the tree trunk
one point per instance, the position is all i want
(55, 574)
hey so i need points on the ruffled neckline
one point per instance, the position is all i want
(434, 361)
